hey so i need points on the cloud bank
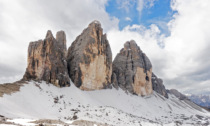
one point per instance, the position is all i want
(24, 21)
(180, 59)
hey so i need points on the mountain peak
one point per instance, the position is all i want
(49, 34)
(61, 39)
(90, 59)
(131, 45)
(46, 60)
(132, 70)
(95, 22)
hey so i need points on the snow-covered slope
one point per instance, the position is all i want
(113, 107)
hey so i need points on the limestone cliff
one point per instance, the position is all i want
(90, 59)
(46, 60)
(157, 85)
(132, 70)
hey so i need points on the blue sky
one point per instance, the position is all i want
(150, 12)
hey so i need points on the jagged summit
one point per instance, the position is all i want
(132, 70)
(96, 22)
(90, 59)
(88, 63)
(94, 25)
(130, 45)
(49, 34)
(46, 60)
(134, 50)
(61, 39)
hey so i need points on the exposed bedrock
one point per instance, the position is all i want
(90, 59)
(47, 60)
(157, 85)
(132, 70)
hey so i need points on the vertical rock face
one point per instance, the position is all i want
(157, 85)
(132, 70)
(90, 59)
(46, 60)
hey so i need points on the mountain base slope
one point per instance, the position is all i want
(37, 101)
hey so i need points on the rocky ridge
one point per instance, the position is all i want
(88, 63)
(47, 60)
(90, 59)
(177, 94)
(132, 70)
(157, 85)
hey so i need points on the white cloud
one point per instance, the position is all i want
(184, 62)
(150, 3)
(140, 6)
(126, 4)
(149, 40)
(24, 21)
(189, 41)
(128, 19)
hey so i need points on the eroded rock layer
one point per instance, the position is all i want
(132, 70)
(90, 59)
(46, 60)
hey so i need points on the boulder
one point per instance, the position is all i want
(89, 59)
(47, 60)
(132, 70)
(157, 85)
